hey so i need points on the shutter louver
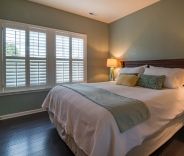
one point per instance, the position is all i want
(15, 57)
(38, 66)
(62, 59)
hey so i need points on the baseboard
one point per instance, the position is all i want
(14, 115)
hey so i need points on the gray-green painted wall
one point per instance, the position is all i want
(21, 102)
(32, 13)
(155, 32)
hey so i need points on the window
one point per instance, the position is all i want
(39, 57)
(15, 57)
(69, 59)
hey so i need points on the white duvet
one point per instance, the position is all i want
(94, 129)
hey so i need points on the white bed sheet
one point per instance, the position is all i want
(94, 129)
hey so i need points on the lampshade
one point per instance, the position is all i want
(112, 62)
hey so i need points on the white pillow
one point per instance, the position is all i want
(130, 70)
(174, 76)
(133, 70)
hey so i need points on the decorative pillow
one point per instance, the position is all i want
(127, 80)
(151, 81)
(174, 76)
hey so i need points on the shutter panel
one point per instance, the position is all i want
(62, 47)
(62, 71)
(15, 57)
(62, 59)
(77, 59)
(15, 42)
(38, 65)
(77, 48)
(37, 44)
(77, 71)
(15, 73)
(38, 72)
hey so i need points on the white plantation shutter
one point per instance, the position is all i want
(77, 59)
(38, 63)
(15, 58)
(69, 58)
(34, 57)
(62, 59)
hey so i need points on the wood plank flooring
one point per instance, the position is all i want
(31, 135)
(34, 135)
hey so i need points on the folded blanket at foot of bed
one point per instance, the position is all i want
(127, 112)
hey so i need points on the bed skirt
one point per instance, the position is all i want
(148, 146)
(66, 138)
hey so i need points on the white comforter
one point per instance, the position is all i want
(93, 127)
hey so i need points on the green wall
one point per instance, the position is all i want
(32, 13)
(21, 102)
(155, 32)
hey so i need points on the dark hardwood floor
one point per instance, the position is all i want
(34, 135)
(31, 135)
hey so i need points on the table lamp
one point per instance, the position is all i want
(112, 63)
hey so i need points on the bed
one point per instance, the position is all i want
(89, 129)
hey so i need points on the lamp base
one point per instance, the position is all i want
(111, 76)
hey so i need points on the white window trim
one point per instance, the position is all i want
(51, 59)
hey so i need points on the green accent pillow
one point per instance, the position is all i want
(151, 81)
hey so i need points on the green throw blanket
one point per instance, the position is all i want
(127, 112)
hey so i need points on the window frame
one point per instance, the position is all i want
(50, 56)
(11, 25)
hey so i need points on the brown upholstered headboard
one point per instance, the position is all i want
(170, 63)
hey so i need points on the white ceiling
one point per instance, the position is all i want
(105, 10)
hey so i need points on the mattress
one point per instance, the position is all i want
(94, 129)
